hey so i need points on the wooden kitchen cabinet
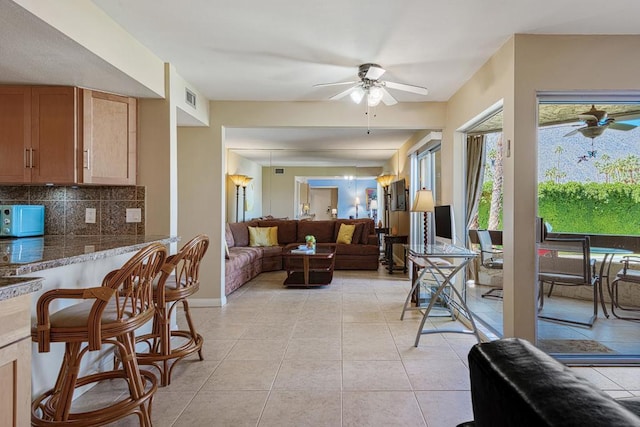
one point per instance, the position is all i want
(15, 361)
(109, 139)
(66, 135)
(15, 133)
(38, 134)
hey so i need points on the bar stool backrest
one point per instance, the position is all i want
(186, 264)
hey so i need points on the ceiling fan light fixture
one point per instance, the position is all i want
(357, 95)
(374, 96)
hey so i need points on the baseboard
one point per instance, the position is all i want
(206, 302)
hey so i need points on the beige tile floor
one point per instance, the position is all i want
(332, 356)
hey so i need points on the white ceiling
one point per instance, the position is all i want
(278, 49)
(316, 146)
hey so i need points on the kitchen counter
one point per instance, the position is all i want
(26, 255)
(11, 287)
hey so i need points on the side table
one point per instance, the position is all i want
(381, 232)
(389, 241)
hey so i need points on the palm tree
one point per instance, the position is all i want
(496, 189)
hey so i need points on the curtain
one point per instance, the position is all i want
(475, 176)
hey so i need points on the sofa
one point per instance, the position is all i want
(513, 383)
(245, 262)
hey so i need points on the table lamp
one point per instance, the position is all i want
(373, 207)
(424, 203)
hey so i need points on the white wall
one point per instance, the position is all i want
(238, 165)
(88, 25)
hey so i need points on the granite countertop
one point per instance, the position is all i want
(27, 255)
(11, 287)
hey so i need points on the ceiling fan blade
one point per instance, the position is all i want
(374, 73)
(407, 88)
(587, 117)
(573, 132)
(621, 126)
(387, 98)
(344, 93)
(335, 84)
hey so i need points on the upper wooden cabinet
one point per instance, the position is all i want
(109, 139)
(66, 135)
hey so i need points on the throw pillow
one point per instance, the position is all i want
(346, 233)
(263, 236)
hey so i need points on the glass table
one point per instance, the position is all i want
(433, 256)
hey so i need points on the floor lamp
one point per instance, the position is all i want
(424, 203)
(245, 182)
(238, 181)
(385, 181)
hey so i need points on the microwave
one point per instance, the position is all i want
(21, 220)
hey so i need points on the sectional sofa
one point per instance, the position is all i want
(245, 262)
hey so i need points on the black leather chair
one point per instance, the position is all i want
(513, 383)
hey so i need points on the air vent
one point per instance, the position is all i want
(278, 171)
(190, 98)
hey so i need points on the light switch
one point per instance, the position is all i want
(90, 215)
(134, 215)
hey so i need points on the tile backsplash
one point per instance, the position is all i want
(65, 207)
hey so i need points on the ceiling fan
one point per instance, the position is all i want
(596, 122)
(372, 87)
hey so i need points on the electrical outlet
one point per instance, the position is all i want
(90, 215)
(134, 215)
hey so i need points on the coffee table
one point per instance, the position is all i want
(309, 269)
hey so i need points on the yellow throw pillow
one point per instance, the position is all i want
(263, 236)
(346, 233)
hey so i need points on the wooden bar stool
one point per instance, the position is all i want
(166, 347)
(109, 315)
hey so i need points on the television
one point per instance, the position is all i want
(444, 224)
(398, 195)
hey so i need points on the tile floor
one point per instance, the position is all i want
(621, 336)
(332, 356)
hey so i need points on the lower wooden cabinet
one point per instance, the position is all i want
(15, 362)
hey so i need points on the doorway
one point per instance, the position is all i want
(322, 200)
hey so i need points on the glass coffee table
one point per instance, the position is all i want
(315, 269)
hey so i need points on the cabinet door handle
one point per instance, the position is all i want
(87, 159)
(31, 158)
(26, 158)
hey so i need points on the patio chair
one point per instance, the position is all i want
(567, 262)
(629, 275)
(491, 258)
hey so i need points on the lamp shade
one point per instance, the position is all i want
(373, 204)
(237, 180)
(357, 95)
(385, 180)
(246, 181)
(423, 201)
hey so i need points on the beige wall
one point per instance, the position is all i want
(279, 190)
(524, 66)
(157, 162)
(202, 161)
